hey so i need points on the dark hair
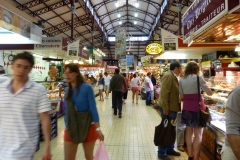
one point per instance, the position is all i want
(134, 75)
(117, 71)
(100, 75)
(25, 56)
(124, 74)
(105, 73)
(149, 73)
(174, 65)
(80, 80)
(191, 68)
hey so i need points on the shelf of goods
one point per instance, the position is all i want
(221, 87)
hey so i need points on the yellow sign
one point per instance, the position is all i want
(153, 48)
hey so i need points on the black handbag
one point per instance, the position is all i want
(205, 117)
(79, 123)
(165, 133)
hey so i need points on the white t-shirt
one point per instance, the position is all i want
(135, 82)
(19, 120)
(107, 80)
(146, 81)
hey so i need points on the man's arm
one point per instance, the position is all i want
(46, 128)
(43, 112)
(234, 141)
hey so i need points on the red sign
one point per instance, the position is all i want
(83, 53)
(201, 14)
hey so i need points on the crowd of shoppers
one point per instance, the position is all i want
(80, 98)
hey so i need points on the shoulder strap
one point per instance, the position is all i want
(198, 87)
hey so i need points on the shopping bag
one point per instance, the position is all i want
(101, 153)
(165, 133)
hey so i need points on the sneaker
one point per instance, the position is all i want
(164, 158)
(174, 153)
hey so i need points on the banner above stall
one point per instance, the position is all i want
(73, 49)
(17, 30)
(83, 53)
(120, 46)
(169, 41)
(50, 43)
(200, 15)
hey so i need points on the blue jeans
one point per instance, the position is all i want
(148, 98)
(164, 150)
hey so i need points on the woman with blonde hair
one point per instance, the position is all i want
(188, 89)
(80, 99)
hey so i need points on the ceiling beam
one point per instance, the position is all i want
(129, 24)
(127, 17)
(50, 8)
(99, 5)
(79, 21)
(125, 8)
(31, 4)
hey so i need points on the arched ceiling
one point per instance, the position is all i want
(94, 21)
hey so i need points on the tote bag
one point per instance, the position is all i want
(165, 134)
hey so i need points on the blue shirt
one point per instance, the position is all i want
(83, 101)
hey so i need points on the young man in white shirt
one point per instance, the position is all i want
(23, 104)
(107, 80)
(149, 88)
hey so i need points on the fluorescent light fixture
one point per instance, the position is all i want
(136, 14)
(137, 4)
(80, 62)
(67, 62)
(237, 49)
(117, 4)
(120, 22)
(119, 15)
(36, 55)
(75, 61)
(135, 22)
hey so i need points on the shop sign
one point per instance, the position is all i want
(201, 14)
(83, 54)
(153, 48)
(73, 49)
(12, 22)
(129, 60)
(49, 43)
(169, 41)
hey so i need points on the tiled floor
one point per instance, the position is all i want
(128, 138)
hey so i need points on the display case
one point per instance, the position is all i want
(221, 87)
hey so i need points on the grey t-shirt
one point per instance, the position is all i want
(233, 114)
(188, 85)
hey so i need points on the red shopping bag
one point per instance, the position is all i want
(101, 153)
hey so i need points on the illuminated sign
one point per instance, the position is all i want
(153, 48)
